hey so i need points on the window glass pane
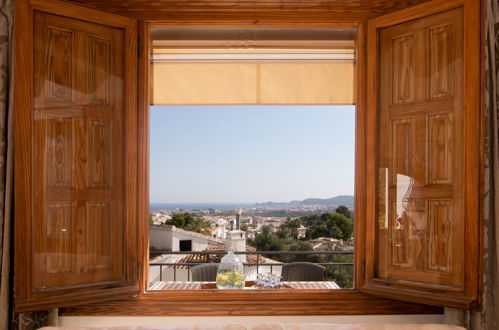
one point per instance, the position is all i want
(274, 183)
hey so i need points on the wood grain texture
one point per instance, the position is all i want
(360, 154)
(100, 59)
(59, 57)
(144, 85)
(92, 148)
(438, 117)
(70, 198)
(214, 302)
(262, 10)
(223, 14)
(415, 148)
(23, 93)
(83, 13)
(474, 158)
(403, 75)
(439, 169)
(440, 53)
(133, 245)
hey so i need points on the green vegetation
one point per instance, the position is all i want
(337, 225)
(267, 240)
(189, 222)
(290, 228)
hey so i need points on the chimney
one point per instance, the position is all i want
(236, 240)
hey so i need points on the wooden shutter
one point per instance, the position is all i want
(424, 122)
(75, 229)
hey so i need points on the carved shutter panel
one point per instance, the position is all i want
(420, 222)
(72, 236)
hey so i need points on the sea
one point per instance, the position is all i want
(198, 206)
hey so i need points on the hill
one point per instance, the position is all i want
(332, 202)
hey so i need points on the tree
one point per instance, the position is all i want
(188, 222)
(342, 209)
(302, 246)
(282, 233)
(267, 240)
(340, 226)
(198, 225)
(291, 227)
(179, 220)
(319, 231)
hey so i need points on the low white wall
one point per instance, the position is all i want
(160, 237)
(102, 321)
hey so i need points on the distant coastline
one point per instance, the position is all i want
(199, 206)
(332, 202)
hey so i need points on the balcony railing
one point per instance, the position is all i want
(340, 272)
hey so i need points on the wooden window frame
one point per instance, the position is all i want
(473, 130)
(26, 298)
(212, 302)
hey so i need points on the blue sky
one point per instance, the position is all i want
(236, 154)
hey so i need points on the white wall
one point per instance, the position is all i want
(198, 243)
(101, 321)
(167, 238)
(160, 237)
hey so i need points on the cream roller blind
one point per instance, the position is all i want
(190, 79)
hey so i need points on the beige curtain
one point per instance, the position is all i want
(488, 317)
(280, 83)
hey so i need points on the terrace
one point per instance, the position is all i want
(169, 266)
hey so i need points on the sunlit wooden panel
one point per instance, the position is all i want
(223, 10)
(402, 148)
(441, 235)
(440, 54)
(439, 167)
(99, 68)
(399, 236)
(59, 245)
(99, 155)
(420, 207)
(78, 147)
(60, 151)
(403, 70)
(98, 230)
(59, 65)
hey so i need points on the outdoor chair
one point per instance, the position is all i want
(204, 272)
(302, 271)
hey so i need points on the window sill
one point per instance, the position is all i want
(250, 303)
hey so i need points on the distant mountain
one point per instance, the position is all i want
(332, 202)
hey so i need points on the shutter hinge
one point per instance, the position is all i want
(139, 271)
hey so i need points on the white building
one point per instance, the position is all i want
(170, 238)
(221, 231)
(302, 231)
